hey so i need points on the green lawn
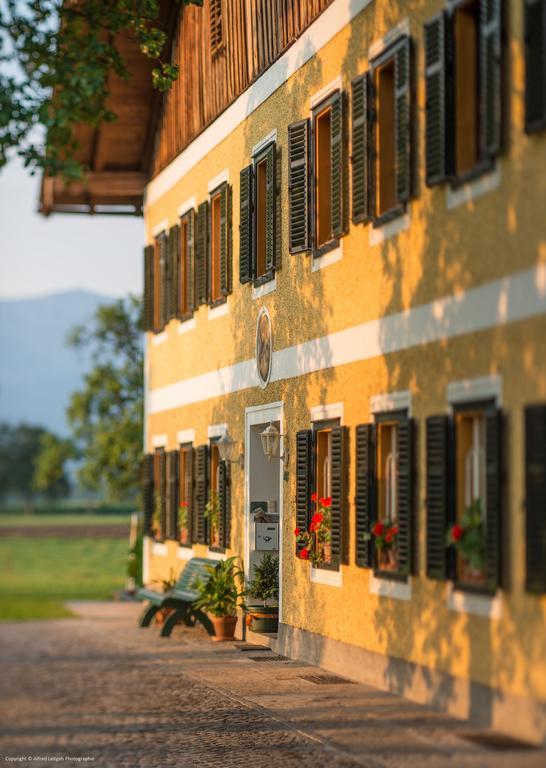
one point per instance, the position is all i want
(9, 520)
(38, 574)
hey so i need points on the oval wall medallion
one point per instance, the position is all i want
(264, 347)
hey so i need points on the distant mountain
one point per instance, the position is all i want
(38, 372)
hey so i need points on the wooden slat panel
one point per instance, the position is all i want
(255, 33)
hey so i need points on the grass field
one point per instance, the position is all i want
(7, 521)
(38, 573)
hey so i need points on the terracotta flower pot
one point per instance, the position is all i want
(224, 628)
(387, 559)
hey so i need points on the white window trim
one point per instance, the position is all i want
(222, 178)
(257, 148)
(265, 289)
(487, 606)
(326, 412)
(188, 205)
(330, 257)
(185, 326)
(327, 577)
(216, 430)
(159, 338)
(220, 311)
(397, 590)
(391, 401)
(185, 436)
(159, 549)
(159, 441)
(377, 48)
(162, 226)
(184, 553)
(335, 85)
(469, 192)
(378, 235)
(481, 388)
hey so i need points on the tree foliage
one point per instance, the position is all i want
(106, 415)
(55, 60)
(50, 476)
(19, 447)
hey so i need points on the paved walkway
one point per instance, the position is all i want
(97, 687)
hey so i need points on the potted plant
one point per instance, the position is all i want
(468, 540)
(183, 522)
(212, 514)
(166, 586)
(220, 596)
(264, 617)
(385, 537)
(317, 539)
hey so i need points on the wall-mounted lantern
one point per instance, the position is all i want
(227, 449)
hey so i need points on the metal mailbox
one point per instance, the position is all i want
(267, 536)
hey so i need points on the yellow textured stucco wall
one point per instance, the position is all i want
(441, 253)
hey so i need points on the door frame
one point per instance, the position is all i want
(262, 414)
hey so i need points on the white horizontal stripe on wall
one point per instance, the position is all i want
(516, 297)
(315, 37)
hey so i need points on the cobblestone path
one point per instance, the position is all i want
(99, 688)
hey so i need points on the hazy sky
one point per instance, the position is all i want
(102, 254)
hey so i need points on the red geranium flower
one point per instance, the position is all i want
(378, 529)
(304, 554)
(318, 517)
(314, 497)
(388, 536)
(457, 532)
(297, 531)
(394, 530)
(183, 503)
(327, 502)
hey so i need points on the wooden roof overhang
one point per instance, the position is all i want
(116, 155)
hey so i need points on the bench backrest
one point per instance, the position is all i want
(195, 570)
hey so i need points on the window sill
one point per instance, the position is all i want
(386, 587)
(390, 229)
(325, 576)
(219, 310)
(184, 552)
(487, 606)
(466, 192)
(264, 289)
(328, 258)
(159, 548)
(214, 554)
(159, 338)
(186, 325)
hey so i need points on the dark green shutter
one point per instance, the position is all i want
(147, 476)
(224, 497)
(535, 498)
(163, 492)
(402, 120)
(201, 253)
(360, 148)
(372, 144)
(270, 208)
(189, 265)
(190, 519)
(405, 495)
(246, 249)
(304, 460)
(225, 240)
(298, 186)
(148, 313)
(435, 77)
(339, 455)
(535, 65)
(490, 77)
(172, 494)
(174, 271)
(493, 421)
(337, 166)
(164, 280)
(439, 493)
(201, 493)
(364, 497)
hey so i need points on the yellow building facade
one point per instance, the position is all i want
(391, 326)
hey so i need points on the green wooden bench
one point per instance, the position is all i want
(180, 598)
